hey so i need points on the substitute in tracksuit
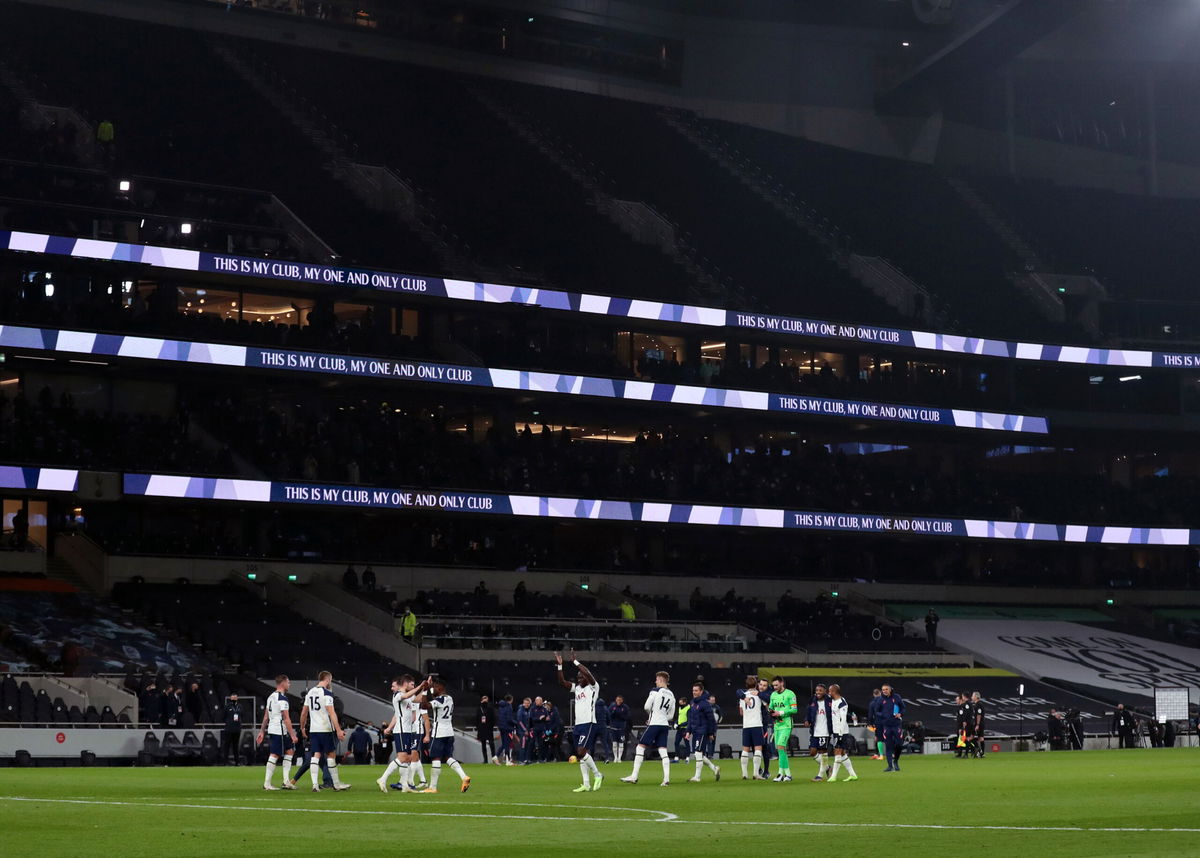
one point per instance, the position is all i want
(506, 724)
(701, 723)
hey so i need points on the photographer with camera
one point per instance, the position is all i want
(1056, 730)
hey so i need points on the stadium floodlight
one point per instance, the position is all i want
(49, 290)
(185, 228)
(124, 185)
(292, 578)
(1109, 602)
(251, 576)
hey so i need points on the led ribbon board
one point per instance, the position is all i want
(541, 506)
(254, 357)
(178, 259)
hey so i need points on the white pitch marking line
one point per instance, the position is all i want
(663, 816)
(881, 825)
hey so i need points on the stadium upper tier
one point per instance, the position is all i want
(355, 282)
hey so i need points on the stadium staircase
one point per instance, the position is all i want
(636, 219)
(335, 609)
(378, 188)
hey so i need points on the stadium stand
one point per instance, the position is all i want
(280, 152)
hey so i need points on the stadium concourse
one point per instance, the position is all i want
(530, 407)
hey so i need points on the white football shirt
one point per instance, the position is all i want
(585, 702)
(398, 709)
(277, 704)
(821, 724)
(318, 716)
(410, 714)
(442, 716)
(660, 706)
(841, 717)
(752, 710)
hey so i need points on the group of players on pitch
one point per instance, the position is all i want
(423, 713)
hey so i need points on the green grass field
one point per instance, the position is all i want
(1135, 802)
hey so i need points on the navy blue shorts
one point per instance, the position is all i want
(845, 742)
(752, 737)
(408, 742)
(654, 737)
(698, 744)
(818, 743)
(442, 749)
(322, 743)
(585, 736)
(281, 744)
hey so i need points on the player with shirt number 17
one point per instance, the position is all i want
(585, 690)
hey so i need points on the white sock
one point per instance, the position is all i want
(586, 772)
(457, 767)
(403, 769)
(407, 771)
(315, 769)
(849, 766)
(758, 760)
(820, 764)
(333, 773)
(437, 772)
(270, 771)
(590, 762)
(699, 758)
(287, 767)
(712, 767)
(391, 767)
(744, 760)
(420, 770)
(666, 764)
(639, 757)
(837, 764)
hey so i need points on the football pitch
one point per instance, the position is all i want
(1133, 802)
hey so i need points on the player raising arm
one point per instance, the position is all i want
(405, 712)
(660, 709)
(440, 705)
(277, 725)
(584, 692)
(751, 708)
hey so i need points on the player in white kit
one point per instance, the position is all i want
(406, 724)
(440, 705)
(843, 742)
(277, 727)
(660, 710)
(324, 732)
(819, 722)
(751, 707)
(585, 690)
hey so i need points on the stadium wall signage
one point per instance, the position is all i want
(253, 357)
(1079, 654)
(179, 259)
(535, 506)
